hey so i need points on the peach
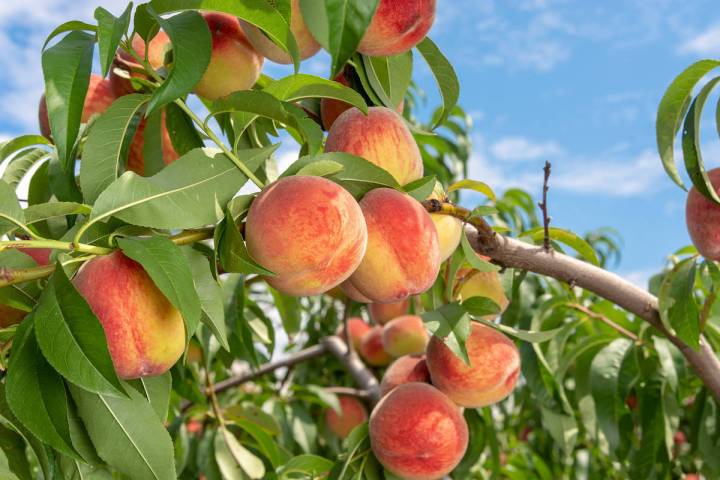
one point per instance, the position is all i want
(234, 64)
(40, 255)
(98, 98)
(372, 350)
(144, 332)
(397, 26)
(352, 413)
(136, 157)
(352, 293)
(357, 327)
(10, 316)
(405, 369)
(381, 138)
(307, 44)
(449, 228)
(417, 433)
(309, 231)
(405, 335)
(473, 283)
(403, 255)
(382, 313)
(159, 46)
(703, 219)
(491, 376)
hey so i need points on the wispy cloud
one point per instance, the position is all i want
(521, 148)
(706, 42)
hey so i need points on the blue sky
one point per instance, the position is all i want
(572, 81)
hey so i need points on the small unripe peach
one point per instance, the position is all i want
(382, 313)
(357, 328)
(398, 25)
(405, 335)
(307, 44)
(405, 369)
(403, 256)
(234, 64)
(703, 219)
(352, 413)
(417, 433)
(491, 376)
(309, 231)
(145, 332)
(372, 350)
(380, 137)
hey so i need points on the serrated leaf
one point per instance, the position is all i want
(475, 185)
(192, 46)
(11, 213)
(445, 77)
(127, 433)
(168, 268)
(672, 109)
(451, 324)
(301, 86)
(22, 163)
(109, 33)
(567, 237)
(66, 69)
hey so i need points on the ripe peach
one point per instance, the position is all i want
(159, 46)
(98, 98)
(352, 292)
(145, 333)
(403, 256)
(352, 413)
(309, 231)
(357, 327)
(136, 158)
(40, 255)
(382, 138)
(405, 335)
(382, 313)
(307, 44)
(703, 220)
(473, 283)
(491, 376)
(372, 350)
(417, 433)
(449, 228)
(405, 369)
(398, 25)
(234, 65)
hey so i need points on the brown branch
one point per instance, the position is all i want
(364, 378)
(544, 207)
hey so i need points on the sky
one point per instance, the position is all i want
(570, 81)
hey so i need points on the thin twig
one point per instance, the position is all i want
(544, 206)
(346, 330)
(597, 316)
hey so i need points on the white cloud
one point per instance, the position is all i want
(641, 277)
(521, 148)
(706, 42)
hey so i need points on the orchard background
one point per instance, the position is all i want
(142, 336)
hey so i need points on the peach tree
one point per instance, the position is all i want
(176, 303)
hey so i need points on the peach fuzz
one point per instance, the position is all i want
(352, 413)
(234, 64)
(491, 376)
(309, 231)
(417, 433)
(159, 46)
(145, 333)
(703, 219)
(136, 157)
(397, 26)
(307, 45)
(380, 137)
(405, 369)
(382, 313)
(473, 283)
(99, 97)
(357, 328)
(372, 350)
(403, 256)
(405, 335)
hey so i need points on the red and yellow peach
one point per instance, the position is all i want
(352, 413)
(703, 219)
(405, 369)
(397, 26)
(405, 335)
(372, 350)
(382, 313)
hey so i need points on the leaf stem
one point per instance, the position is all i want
(55, 245)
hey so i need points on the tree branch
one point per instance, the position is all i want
(544, 207)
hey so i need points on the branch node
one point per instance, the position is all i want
(544, 206)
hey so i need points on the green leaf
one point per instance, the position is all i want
(267, 445)
(45, 211)
(36, 394)
(472, 257)
(338, 25)
(170, 271)
(13, 445)
(421, 188)
(192, 46)
(604, 385)
(678, 308)
(70, 26)
(106, 149)
(652, 428)
(234, 460)
(127, 434)
(481, 187)
(11, 213)
(109, 33)
(233, 254)
(672, 110)
(450, 323)
(567, 237)
(300, 87)
(257, 12)
(531, 336)
(66, 68)
(390, 77)
(308, 465)
(562, 428)
(321, 168)
(157, 391)
(14, 145)
(210, 293)
(21, 164)
(183, 134)
(691, 143)
(195, 185)
(476, 443)
(289, 309)
(152, 151)
(445, 77)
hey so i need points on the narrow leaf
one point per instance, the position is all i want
(445, 76)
